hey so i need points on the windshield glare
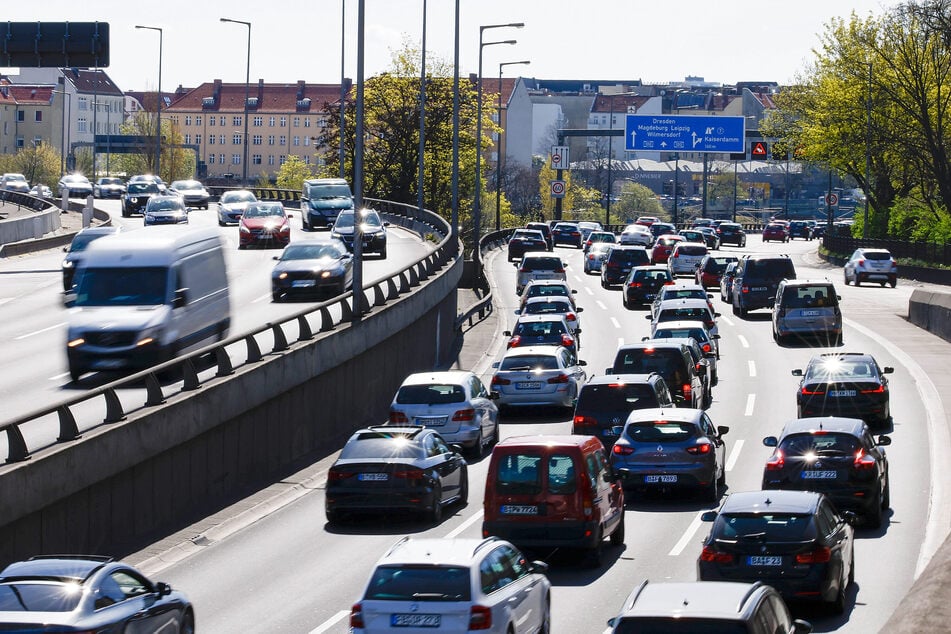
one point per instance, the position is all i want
(142, 286)
(319, 192)
(311, 252)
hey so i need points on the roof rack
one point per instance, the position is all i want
(752, 589)
(399, 543)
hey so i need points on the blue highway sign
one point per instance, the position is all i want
(684, 133)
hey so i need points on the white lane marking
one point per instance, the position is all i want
(750, 401)
(589, 291)
(616, 323)
(726, 320)
(578, 279)
(687, 536)
(620, 341)
(469, 522)
(58, 377)
(329, 623)
(743, 341)
(37, 332)
(939, 500)
(734, 454)
(4, 300)
(262, 298)
(601, 305)
(752, 366)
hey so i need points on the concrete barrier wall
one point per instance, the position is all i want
(26, 227)
(931, 310)
(123, 482)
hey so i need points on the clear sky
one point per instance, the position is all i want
(660, 41)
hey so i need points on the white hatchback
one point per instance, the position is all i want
(454, 585)
(539, 265)
(685, 258)
(637, 235)
(539, 375)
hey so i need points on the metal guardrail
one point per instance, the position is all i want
(484, 305)
(930, 252)
(309, 321)
(29, 201)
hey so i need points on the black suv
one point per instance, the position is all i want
(671, 360)
(643, 283)
(567, 233)
(545, 228)
(757, 278)
(800, 229)
(137, 197)
(619, 261)
(732, 233)
(605, 401)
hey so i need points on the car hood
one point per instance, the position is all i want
(348, 231)
(331, 203)
(262, 223)
(117, 317)
(323, 264)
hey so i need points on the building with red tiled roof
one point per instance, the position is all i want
(283, 120)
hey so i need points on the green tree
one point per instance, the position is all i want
(40, 164)
(293, 173)
(178, 163)
(638, 200)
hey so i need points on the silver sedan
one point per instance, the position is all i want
(538, 375)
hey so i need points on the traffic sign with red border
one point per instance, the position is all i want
(557, 189)
(759, 149)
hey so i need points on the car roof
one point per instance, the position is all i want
(107, 230)
(691, 599)
(610, 379)
(540, 254)
(680, 286)
(682, 414)
(772, 501)
(447, 376)
(652, 343)
(684, 302)
(436, 551)
(539, 440)
(549, 317)
(539, 299)
(835, 424)
(809, 282)
(59, 566)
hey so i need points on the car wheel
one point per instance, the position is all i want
(383, 253)
(743, 243)
(893, 283)
(495, 434)
(275, 296)
(594, 556)
(603, 283)
(220, 224)
(875, 512)
(464, 488)
(617, 537)
(857, 280)
(546, 618)
(626, 303)
(852, 568)
(722, 479)
(838, 604)
(75, 373)
(435, 514)
(188, 623)
(883, 284)
(845, 278)
(887, 495)
(333, 516)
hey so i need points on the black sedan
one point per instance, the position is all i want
(795, 541)
(372, 230)
(642, 284)
(835, 456)
(312, 268)
(844, 384)
(396, 467)
(525, 240)
(64, 593)
(136, 197)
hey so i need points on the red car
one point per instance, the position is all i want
(265, 224)
(775, 231)
(663, 246)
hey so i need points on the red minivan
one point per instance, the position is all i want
(548, 492)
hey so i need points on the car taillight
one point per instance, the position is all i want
(861, 262)
(523, 270)
(687, 390)
(706, 348)
(498, 380)
(819, 389)
(356, 616)
(409, 474)
(571, 317)
(875, 390)
(777, 461)
(514, 341)
(464, 415)
(567, 341)
(480, 618)
(622, 450)
(709, 554)
(746, 289)
(591, 256)
(561, 378)
(584, 421)
(697, 450)
(398, 417)
(863, 460)
(818, 556)
(335, 476)
(635, 285)
(669, 283)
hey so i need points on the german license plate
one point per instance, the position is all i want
(758, 288)
(816, 474)
(664, 479)
(431, 420)
(519, 509)
(528, 385)
(764, 560)
(810, 313)
(841, 393)
(302, 283)
(415, 620)
(373, 477)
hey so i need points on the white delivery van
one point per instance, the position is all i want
(142, 297)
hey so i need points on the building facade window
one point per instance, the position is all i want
(256, 139)
(296, 122)
(39, 116)
(296, 140)
(197, 119)
(283, 122)
(236, 139)
(236, 121)
(270, 159)
(258, 121)
(37, 141)
(197, 139)
(306, 122)
(211, 159)
(211, 121)
(221, 139)
(283, 159)
(83, 103)
(81, 124)
(188, 119)
(270, 121)
(21, 116)
(283, 140)
(322, 122)
(221, 159)
(236, 159)
(256, 159)
(187, 138)
(20, 142)
(306, 141)
(211, 139)
(270, 139)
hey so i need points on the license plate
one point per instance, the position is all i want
(431, 420)
(815, 474)
(519, 509)
(758, 288)
(302, 283)
(841, 393)
(108, 364)
(373, 477)
(648, 296)
(613, 432)
(761, 560)
(415, 620)
(528, 385)
(810, 313)
(665, 479)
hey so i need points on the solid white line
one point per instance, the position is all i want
(469, 522)
(616, 323)
(726, 320)
(750, 401)
(261, 299)
(734, 454)
(752, 366)
(601, 305)
(743, 341)
(329, 623)
(620, 341)
(687, 536)
(36, 332)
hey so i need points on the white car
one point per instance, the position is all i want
(685, 310)
(232, 204)
(594, 257)
(455, 403)
(539, 375)
(454, 585)
(871, 265)
(15, 183)
(685, 258)
(554, 305)
(637, 235)
(681, 291)
(543, 288)
(539, 265)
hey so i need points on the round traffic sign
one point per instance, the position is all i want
(558, 188)
(832, 199)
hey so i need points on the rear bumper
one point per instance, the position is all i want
(814, 585)
(532, 533)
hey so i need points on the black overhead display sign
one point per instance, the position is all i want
(54, 44)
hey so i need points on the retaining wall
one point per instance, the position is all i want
(931, 310)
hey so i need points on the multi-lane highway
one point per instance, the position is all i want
(33, 318)
(286, 571)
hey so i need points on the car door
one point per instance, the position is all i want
(837, 534)
(568, 360)
(710, 430)
(526, 593)
(486, 408)
(144, 611)
(447, 463)
(608, 494)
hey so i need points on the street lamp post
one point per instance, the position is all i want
(108, 106)
(247, 95)
(477, 202)
(498, 157)
(63, 142)
(455, 131)
(343, 86)
(421, 173)
(158, 104)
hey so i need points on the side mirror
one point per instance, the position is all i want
(574, 292)
(709, 295)
(518, 311)
(495, 365)
(647, 317)
(69, 298)
(716, 314)
(181, 298)
(578, 331)
(838, 297)
(883, 441)
(797, 372)
(708, 516)
(386, 223)
(457, 448)
(494, 396)
(579, 309)
(163, 589)
(771, 441)
(849, 517)
(538, 566)
(506, 333)
(609, 370)
(515, 264)
(275, 257)
(645, 338)
(801, 627)
(290, 215)
(723, 429)
(65, 249)
(714, 336)
(582, 362)
(887, 370)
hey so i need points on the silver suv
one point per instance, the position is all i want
(807, 308)
(454, 585)
(706, 606)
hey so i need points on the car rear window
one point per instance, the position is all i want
(419, 583)
(541, 308)
(690, 249)
(683, 314)
(686, 293)
(540, 290)
(819, 445)
(659, 274)
(771, 526)
(716, 265)
(629, 256)
(773, 269)
(664, 361)
(681, 333)
(660, 431)
(809, 296)
(616, 397)
(539, 328)
(542, 264)
(435, 394)
(529, 362)
(679, 625)
(28, 596)
(841, 369)
(877, 255)
(519, 473)
(380, 445)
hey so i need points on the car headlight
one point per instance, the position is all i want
(149, 336)
(243, 229)
(67, 264)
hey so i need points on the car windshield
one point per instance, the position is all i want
(82, 240)
(550, 306)
(82, 180)
(419, 583)
(345, 220)
(602, 236)
(110, 181)
(326, 192)
(39, 596)
(186, 185)
(237, 197)
(128, 286)
(165, 204)
(765, 526)
(311, 251)
(263, 211)
(616, 397)
(433, 394)
(142, 188)
(660, 431)
(819, 444)
(539, 328)
(679, 625)
(380, 445)
(841, 369)
(529, 362)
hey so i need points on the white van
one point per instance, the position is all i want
(142, 297)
